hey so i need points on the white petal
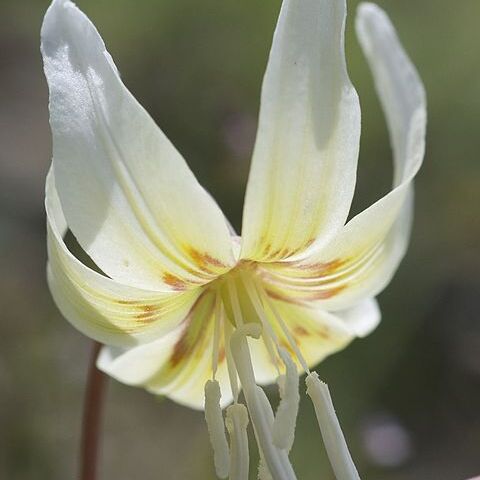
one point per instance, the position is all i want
(127, 194)
(360, 261)
(362, 318)
(178, 365)
(103, 309)
(399, 87)
(304, 163)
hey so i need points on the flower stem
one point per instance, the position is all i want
(92, 414)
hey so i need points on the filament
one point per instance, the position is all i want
(287, 334)
(216, 336)
(268, 334)
(232, 373)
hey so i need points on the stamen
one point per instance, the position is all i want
(263, 473)
(269, 335)
(232, 373)
(275, 458)
(332, 434)
(267, 408)
(237, 421)
(286, 417)
(216, 336)
(286, 332)
(216, 428)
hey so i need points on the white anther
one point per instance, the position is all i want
(286, 416)
(332, 434)
(237, 421)
(216, 428)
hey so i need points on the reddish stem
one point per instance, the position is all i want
(92, 416)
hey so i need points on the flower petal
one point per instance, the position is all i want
(360, 261)
(177, 365)
(304, 164)
(102, 308)
(127, 194)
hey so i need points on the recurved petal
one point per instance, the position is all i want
(362, 318)
(127, 194)
(360, 261)
(177, 365)
(304, 163)
(101, 308)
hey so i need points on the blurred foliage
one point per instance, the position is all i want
(197, 68)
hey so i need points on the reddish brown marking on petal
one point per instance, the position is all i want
(127, 302)
(324, 333)
(275, 253)
(196, 273)
(147, 313)
(183, 347)
(309, 243)
(267, 248)
(175, 282)
(284, 298)
(325, 268)
(300, 331)
(180, 350)
(324, 294)
(205, 260)
(221, 354)
(288, 252)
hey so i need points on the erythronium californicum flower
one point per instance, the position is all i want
(185, 307)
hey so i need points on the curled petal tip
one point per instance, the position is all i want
(369, 9)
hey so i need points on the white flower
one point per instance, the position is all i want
(181, 292)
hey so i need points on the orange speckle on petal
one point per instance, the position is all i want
(179, 351)
(309, 243)
(324, 294)
(175, 282)
(147, 313)
(221, 355)
(284, 298)
(185, 344)
(300, 331)
(127, 302)
(323, 333)
(325, 268)
(204, 260)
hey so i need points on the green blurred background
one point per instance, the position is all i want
(408, 396)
